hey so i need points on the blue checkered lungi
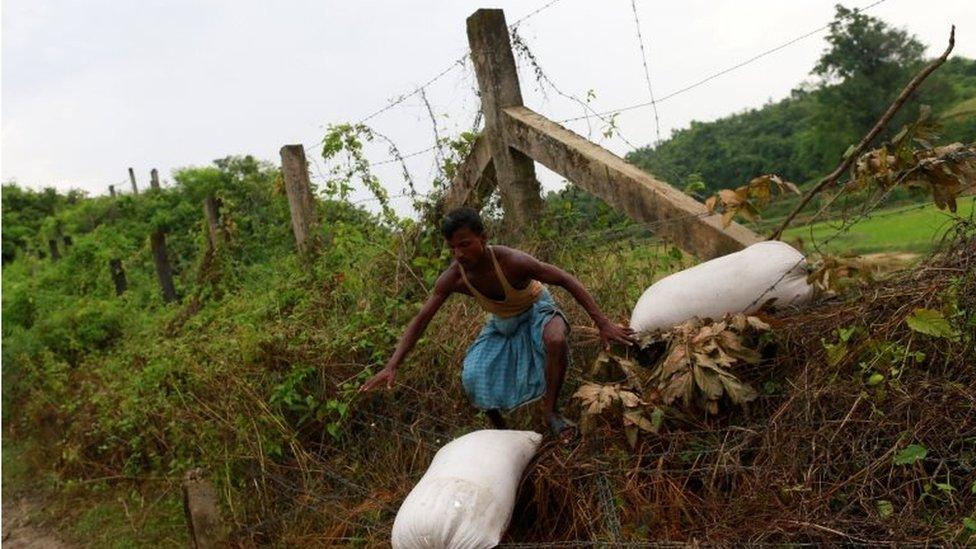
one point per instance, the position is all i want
(506, 365)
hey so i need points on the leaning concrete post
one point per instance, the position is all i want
(202, 511)
(154, 179)
(163, 270)
(211, 208)
(294, 169)
(111, 190)
(118, 276)
(53, 245)
(494, 65)
(132, 178)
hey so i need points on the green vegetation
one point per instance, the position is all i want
(803, 137)
(915, 229)
(253, 374)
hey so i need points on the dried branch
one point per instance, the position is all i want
(851, 156)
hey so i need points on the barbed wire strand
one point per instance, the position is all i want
(647, 73)
(723, 72)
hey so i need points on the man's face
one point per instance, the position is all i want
(467, 247)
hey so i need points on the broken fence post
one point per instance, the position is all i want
(132, 178)
(494, 65)
(154, 179)
(294, 170)
(163, 269)
(202, 509)
(211, 208)
(118, 276)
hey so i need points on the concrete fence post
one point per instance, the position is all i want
(111, 190)
(294, 170)
(163, 269)
(118, 276)
(154, 179)
(132, 179)
(494, 65)
(202, 509)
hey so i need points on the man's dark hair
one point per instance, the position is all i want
(462, 217)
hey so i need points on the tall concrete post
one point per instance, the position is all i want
(154, 179)
(494, 65)
(294, 169)
(163, 270)
(132, 178)
(111, 190)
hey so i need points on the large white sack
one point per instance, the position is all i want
(734, 283)
(465, 498)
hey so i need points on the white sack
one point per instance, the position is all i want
(465, 498)
(733, 283)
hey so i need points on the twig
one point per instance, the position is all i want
(866, 140)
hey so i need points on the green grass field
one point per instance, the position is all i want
(902, 229)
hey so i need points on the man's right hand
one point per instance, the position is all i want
(386, 376)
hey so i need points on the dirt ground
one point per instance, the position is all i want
(18, 532)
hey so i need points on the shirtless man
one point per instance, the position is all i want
(522, 353)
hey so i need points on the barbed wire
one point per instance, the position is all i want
(723, 72)
(647, 73)
(459, 62)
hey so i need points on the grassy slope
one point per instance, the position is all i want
(912, 228)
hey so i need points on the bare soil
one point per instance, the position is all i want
(18, 530)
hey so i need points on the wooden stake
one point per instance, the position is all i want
(118, 276)
(163, 269)
(211, 209)
(132, 178)
(294, 169)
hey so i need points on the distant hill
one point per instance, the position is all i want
(791, 138)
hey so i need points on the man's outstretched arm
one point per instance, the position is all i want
(550, 274)
(415, 329)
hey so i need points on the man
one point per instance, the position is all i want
(522, 353)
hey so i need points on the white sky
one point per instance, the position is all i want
(92, 87)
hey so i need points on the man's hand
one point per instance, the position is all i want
(386, 376)
(610, 332)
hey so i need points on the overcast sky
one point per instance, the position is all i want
(92, 87)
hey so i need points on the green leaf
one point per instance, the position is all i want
(875, 379)
(969, 524)
(911, 454)
(930, 322)
(657, 419)
(885, 508)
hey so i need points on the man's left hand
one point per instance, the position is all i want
(610, 332)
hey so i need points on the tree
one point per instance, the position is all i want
(864, 67)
